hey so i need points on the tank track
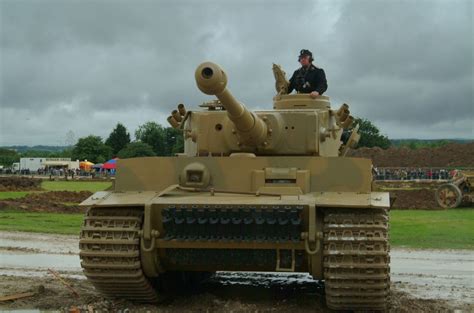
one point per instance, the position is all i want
(110, 253)
(356, 259)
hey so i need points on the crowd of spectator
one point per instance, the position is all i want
(58, 171)
(406, 173)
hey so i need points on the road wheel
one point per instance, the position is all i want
(448, 196)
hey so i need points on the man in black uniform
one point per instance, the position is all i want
(308, 78)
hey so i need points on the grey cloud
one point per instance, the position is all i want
(85, 65)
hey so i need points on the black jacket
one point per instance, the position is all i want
(308, 80)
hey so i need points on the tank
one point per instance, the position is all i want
(460, 189)
(266, 190)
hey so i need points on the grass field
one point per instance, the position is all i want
(12, 194)
(451, 229)
(54, 223)
(59, 186)
(92, 186)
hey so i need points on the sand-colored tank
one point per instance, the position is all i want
(267, 190)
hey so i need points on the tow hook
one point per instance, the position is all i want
(308, 241)
(152, 238)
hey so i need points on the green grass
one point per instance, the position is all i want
(12, 194)
(92, 186)
(450, 229)
(447, 229)
(59, 186)
(55, 223)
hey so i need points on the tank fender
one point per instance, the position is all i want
(96, 198)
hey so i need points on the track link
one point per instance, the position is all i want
(110, 253)
(356, 259)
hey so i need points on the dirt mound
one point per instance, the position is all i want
(406, 184)
(450, 155)
(60, 196)
(422, 199)
(411, 194)
(53, 201)
(52, 295)
(19, 183)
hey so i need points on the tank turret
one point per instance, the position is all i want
(212, 80)
(298, 125)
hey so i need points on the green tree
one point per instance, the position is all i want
(66, 153)
(91, 148)
(174, 142)
(38, 154)
(164, 141)
(370, 135)
(152, 134)
(136, 149)
(118, 138)
(8, 157)
(412, 145)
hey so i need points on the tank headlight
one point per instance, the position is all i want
(195, 175)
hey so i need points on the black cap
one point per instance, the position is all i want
(305, 52)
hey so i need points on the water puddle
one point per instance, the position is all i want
(447, 275)
(39, 242)
(40, 260)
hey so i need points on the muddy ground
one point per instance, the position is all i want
(15, 183)
(413, 195)
(450, 155)
(52, 201)
(422, 199)
(422, 281)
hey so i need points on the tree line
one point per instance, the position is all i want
(370, 135)
(152, 139)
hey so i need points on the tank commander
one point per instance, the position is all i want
(308, 78)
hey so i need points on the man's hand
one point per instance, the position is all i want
(314, 94)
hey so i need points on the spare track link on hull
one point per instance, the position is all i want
(356, 259)
(110, 253)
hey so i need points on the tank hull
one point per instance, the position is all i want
(261, 214)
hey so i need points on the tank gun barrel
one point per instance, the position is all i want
(212, 80)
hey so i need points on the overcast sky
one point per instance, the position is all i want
(86, 65)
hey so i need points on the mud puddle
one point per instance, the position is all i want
(31, 254)
(38, 243)
(432, 274)
(27, 265)
(424, 280)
